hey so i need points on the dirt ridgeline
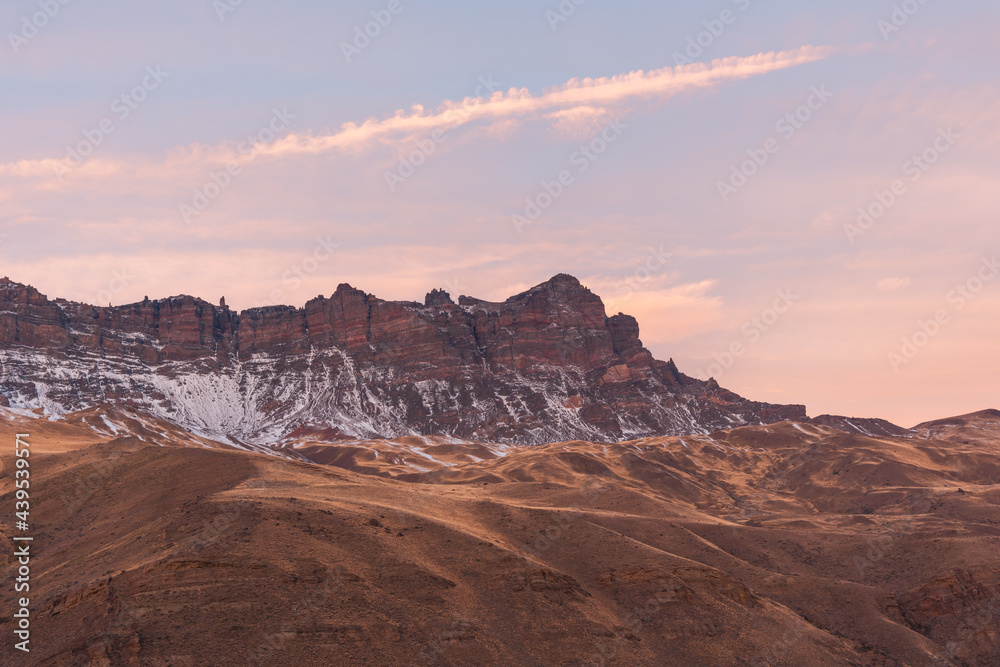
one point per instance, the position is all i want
(787, 544)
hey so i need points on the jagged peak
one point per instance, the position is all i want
(563, 287)
(563, 279)
(394, 368)
(438, 297)
(558, 285)
(7, 283)
(347, 290)
(473, 302)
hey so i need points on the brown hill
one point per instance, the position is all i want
(862, 426)
(785, 544)
(983, 426)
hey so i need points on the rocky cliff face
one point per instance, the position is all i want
(544, 365)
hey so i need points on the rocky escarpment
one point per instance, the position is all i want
(959, 609)
(545, 365)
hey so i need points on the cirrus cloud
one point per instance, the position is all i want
(577, 97)
(567, 108)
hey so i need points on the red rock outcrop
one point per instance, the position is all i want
(544, 365)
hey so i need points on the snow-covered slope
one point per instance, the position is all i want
(262, 400)
(546, 365)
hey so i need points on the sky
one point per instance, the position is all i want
(798, 199)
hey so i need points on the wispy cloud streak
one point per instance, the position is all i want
(576, 101)
(575, 95)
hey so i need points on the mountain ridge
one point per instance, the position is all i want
(547, 364)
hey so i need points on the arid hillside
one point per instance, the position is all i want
(785, 544)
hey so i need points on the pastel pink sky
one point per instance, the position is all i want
(643, 224)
